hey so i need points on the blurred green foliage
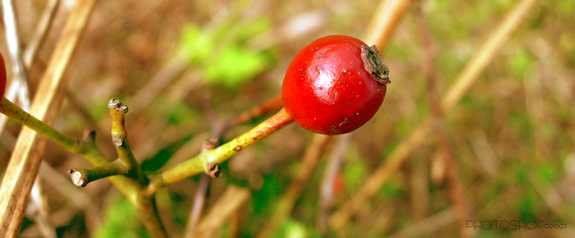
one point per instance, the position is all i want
(292, 228)
(223, 54)
(521, 63)
(121, 220)
(354, 173)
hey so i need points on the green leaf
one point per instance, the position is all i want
(235, 65)
(195, 43)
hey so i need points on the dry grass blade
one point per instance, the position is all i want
(385, 19)
(46, 21)
(428, 225)
(19, 72)
(463, 83)
(198, 205)
(40, 211)
(232, 200)
(485, 54)
(25, 160)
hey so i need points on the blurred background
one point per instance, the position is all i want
(181, 65)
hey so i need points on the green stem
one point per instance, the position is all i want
(204, 161)
(149, 215)
(18, 114)
(120, 139)
(81, 177)
(87, 148)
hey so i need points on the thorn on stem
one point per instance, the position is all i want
(214, 170)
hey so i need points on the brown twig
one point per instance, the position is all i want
(305, 170)
(326, 189)
(272, 105)
(203, 187)
(440, 132)
(202, 190)
(463, 82)
(198, 207)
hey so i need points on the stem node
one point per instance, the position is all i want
(214, 170)
(118, 141)
(78, 178)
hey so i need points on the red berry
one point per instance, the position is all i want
(2, 76)
(335, 85)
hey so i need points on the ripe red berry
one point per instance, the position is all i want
(335, 85)
(2, 76)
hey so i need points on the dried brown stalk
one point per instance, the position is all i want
(305, 170)
(385, 19)
(463, 83)
(37, 40)
(438, 127)
(25, 160)
(326, 200)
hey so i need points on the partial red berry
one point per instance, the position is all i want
(2, 76)
(335, 85)
(338, 184)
